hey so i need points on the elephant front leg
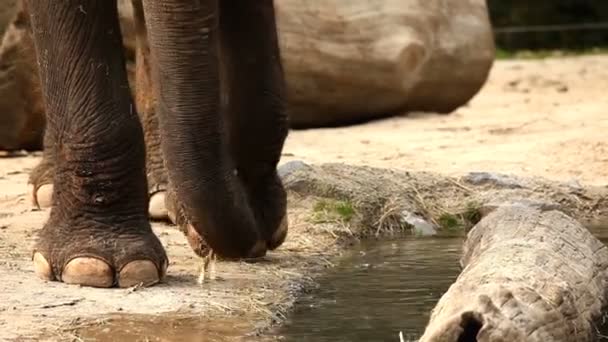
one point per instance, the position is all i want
(253, 78)
(98, 232)
(217, 209)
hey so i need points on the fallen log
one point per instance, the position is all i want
(528, 275)
(351, 61)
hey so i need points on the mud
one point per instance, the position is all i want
(162, 328)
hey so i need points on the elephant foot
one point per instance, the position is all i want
(40, 184)
(41, 196)
(279, 235)
(40, 192)
(157, 209)
(272, 205)
(178, 218)
(94, 254)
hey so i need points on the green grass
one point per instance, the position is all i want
(462, 221)
(325, 211)
(472, 213)
(450, 222)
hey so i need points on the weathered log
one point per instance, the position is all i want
(347, 61)
(529, 275)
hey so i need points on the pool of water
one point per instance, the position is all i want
(379, 289)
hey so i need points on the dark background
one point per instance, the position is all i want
(509, 13)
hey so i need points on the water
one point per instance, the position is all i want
(379, 289)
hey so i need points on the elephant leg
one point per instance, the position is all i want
(219, 216)
(40, 184)
(98, 232)
(253, 77)
(145, 103)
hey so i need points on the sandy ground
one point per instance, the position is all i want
(546, 118)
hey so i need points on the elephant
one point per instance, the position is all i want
(198, 139)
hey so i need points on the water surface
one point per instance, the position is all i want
(379, 289)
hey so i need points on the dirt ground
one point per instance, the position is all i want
(544, 118)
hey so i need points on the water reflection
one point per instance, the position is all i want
(378, 290)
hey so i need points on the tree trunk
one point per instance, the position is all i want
(528, 275)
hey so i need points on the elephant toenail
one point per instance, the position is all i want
(280, 234)
(42, 267)
(137, 272)
(88, 272)
(157, 208)
(44, 196)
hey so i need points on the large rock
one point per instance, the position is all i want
(348, 61)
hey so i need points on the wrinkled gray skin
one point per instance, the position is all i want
(216, 159)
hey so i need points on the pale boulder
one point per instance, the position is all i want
(349, 61)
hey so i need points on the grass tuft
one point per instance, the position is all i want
(328, 211)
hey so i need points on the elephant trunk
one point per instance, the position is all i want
(183, 39)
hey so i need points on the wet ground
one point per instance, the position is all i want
(162, 328)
